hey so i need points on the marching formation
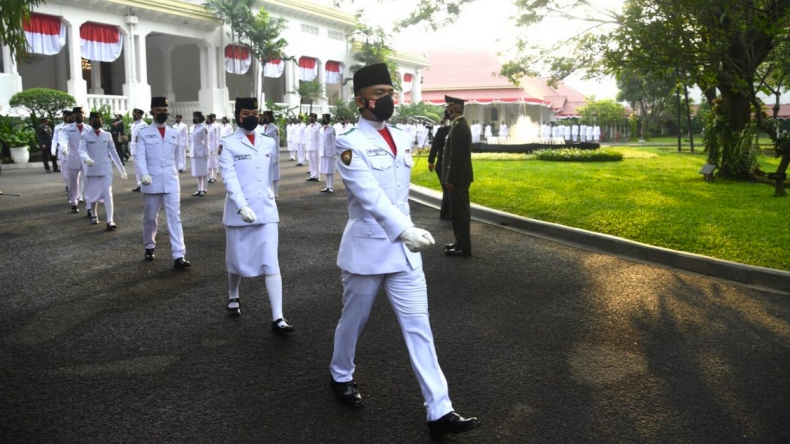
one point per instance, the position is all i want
(380, 247)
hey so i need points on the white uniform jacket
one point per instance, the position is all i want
(299, 130)
(69, 141)
(56, 138)
(156, 157)
(247, 172)
(199, 141)
(182, 130)
(377, 190)
(137, 125)
(101, 150)
(328, 139)
(312, 137)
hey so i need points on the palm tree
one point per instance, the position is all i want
(373, 48)
(235, 13)
(262, 34)
(309, 92)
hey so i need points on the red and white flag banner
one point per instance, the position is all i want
(308, 69)
(45, 34)
(334, 72)
(102, 43)
(237, 59)
(273, 68)
(407, 81)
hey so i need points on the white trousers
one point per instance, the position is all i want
(312, 162)
(407, 293)
(151, 205)
(299, 153)
(75, 177)
(181, 157)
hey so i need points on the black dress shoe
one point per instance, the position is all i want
(111, 226)
(457, 252)
(451, 423)
(449, 246)
(149, 254)
(74, 209)
(90, 213)
(281, 329)
(234, 311)
(57, 170)
(94, 221)
(347, 393)
(199, 193)
(181, 264)
(136, 190)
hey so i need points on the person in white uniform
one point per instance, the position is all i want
(56, 151)
(299, 133)
(380, 247)
(137, 125)
(269, 128)
(311, 145)
(250, 216)
(226, 129)
(575, 132)
(183, 137)
(503, 133)
(488, 132)
(155, 160)
(96, 151)
(289, 135)
(200, 153)
(212, 130)
(69, 142)
(327, 167)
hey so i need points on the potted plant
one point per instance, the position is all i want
(18, 138)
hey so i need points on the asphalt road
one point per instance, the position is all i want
(545, 343)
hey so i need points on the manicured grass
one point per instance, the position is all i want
(654, 196)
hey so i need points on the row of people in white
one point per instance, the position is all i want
(576, 133)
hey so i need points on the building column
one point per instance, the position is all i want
(291, 83)
(77, 86)
(96, 78)
(213, 97)
(10, 80)
(323, 101)
(416, 87)
(167, 72)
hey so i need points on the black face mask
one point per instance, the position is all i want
(160, 118)
(78, 120)
(325, 121)
(447, 114)
(249, 123)
(194, 121)
(95, 125)
(382, 107)
(266, 121)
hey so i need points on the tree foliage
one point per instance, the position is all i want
(603, 113)
(373, 48)
(309, 92)
(419, 111)
(13, 15)
(42, 102)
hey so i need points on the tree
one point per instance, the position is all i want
(345, 109)
(263, 35)
(42, 102)
(604, 113)
(647, 93)
(309, 92)
(423, 110)
(13, 15)
(373, 48)
(234, 13)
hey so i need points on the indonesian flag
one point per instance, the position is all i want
(334, 72)
(407, 79)
(45, 34)
(273, 68)
(237, 59)
(308, 69)
(102, 43)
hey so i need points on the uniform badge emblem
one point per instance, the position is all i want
(346, 157)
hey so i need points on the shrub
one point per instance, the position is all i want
(42, 102)
(577, 155)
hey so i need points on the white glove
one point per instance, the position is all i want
(123, 175)
(146, 180)
(416, 239)
(54, 152)
(65, 151)
(247, 215)
(89, 162)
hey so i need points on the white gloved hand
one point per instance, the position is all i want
(416, 239)
(65, 151)
(146, 180)
(89, 162)
(247, 215)
(54, 152)
(123, 175)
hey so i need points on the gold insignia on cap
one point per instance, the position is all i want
(346, 157)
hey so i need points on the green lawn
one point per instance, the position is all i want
(654, 196)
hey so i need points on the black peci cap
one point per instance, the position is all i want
(77, 109)
(159, 102)
(370, 75)
(95, 115)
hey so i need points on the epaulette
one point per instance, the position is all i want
(349, 131)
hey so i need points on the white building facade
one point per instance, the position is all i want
(177, 49)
